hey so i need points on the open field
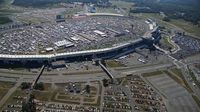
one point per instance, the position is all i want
(194, 78)
(108, 10)
(180, 100)
(13, 98)
(43, 95)
(19, 96)
(197, 66)
(3, 92)
(196, 100)
(113, 63)
(6, 11)
(4, 87)
(187, 26)
(177, 72)
(123, 6)
(176, 76)
(158, 18)
(165, 40)
(73, 10)
(6, 84)
(152, 73)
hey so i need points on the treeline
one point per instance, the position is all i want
(38, 86)
(35, 3)
(39, 3)
(4, 19)
(189, 11)
(1, 1)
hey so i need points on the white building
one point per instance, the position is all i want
(48, 49)
(100, 33)
(64, 43)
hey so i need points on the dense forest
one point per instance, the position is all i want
(188, 10)
(35, 3)
(1, 1)
(38, 3)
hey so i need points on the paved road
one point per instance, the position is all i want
(81, 77)
(176, 47)
(102, 97)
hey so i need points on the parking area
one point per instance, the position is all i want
(72, 35)
(59, 97)
(189, 46)
(143, 57)
(179, 100)
(132, 94)
(115, 100)
(144, 96)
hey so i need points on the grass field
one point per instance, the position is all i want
(73, 10)
(3, 92)
(165, 40)
(18, 92)
(43, 96)
(117, 4)
(5, 13)
(40, 95)
(4, 88)
(194, 78)
(152, 73)
(196, 100)
(197, 66)
(179, 79)
(112, 63)
(6, 84)
(108, 10)
(177, 72)
(187, 26)
(122, 4)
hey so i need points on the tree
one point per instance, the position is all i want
(39, 86)
(105, 82)
(166, 19)
(29, 106)
(114, 6)
(87, 88)
(25, 85)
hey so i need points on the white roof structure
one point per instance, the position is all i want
(151, 26)
(103, 14)
(49, 49)
(100, 33)
(74, 38)
(64, 43)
